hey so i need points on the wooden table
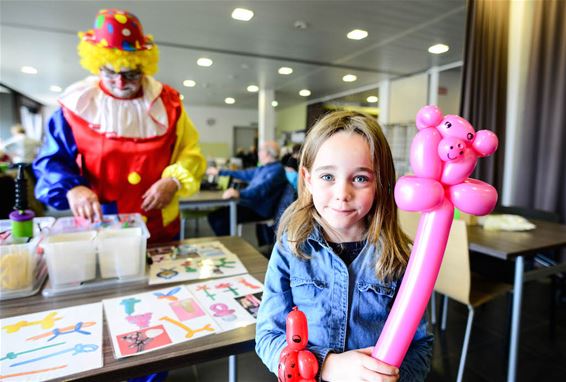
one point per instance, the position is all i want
(188, 353)
(207, 199)
(516, 246)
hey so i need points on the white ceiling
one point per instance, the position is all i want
(43, 34)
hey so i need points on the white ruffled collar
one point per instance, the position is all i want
(141, 117)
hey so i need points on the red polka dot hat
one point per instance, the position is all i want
(118, 29)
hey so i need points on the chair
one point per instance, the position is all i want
(455, 279)
(222, 182)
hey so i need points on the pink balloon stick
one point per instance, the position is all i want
(417, 285)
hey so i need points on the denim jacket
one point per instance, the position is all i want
(346, 307)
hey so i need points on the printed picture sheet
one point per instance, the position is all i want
(197, 261)
(149, 321)
(51, 344)
(153, 320)
(233, 302)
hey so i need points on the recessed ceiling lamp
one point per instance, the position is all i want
(372, 99)
(189, 83)
(274, 103)
(357, 34)
(305, 93)
(28, 70)
(252, 89)
(349, 78)
(229, 100)
(300, 24)
(438, 49)
(55, 89)
(242, 14)
(203, 61)
(285, 70)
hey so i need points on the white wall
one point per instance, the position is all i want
(225, 118)
(408, 95)
(451, 80)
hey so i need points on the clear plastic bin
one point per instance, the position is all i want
(118, 252)
(71, 257)
(22, 269)
(84, 256)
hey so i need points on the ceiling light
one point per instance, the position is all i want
(28, 70)
(182, 97)
(357, 34)
(305, 93)
(349, 78)
(189, 83)
(438, 49)
(252, 88)
(229, 100)
(372, 99)
(55, 88)
(300, 24)
(274, 103)
(285, 70)
(242, 14)
(203, 61)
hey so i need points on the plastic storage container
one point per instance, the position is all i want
(22, 268)
(84, 256)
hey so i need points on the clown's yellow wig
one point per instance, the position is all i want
(93, 57)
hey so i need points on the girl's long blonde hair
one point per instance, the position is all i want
(299, 219)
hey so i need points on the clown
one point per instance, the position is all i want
(121, 142)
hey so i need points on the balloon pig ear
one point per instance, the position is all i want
(428, 116)
(486, 143)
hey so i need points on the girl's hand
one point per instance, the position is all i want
(357, 365)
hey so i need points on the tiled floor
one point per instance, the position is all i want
(542, 354)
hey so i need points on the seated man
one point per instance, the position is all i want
(259, 198)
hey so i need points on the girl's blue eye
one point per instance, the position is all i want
(361, 178)
(327, 177)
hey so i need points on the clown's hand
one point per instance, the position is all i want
(84, 203)
(159, 195)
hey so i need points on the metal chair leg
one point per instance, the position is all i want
(232, 368)
(433, 308)
(183, 226)
(466, 343)
(444, 313)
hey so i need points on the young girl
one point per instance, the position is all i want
(340, 256)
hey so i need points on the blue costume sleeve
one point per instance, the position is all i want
(55, 166)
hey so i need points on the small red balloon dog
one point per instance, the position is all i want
(296, 364)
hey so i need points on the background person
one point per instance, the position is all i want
(121, 141)
(259, 198)
(340, 256)
(20, 148)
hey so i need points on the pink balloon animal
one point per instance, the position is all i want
(296, 364)
(443, 155)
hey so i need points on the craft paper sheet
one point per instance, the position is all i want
(233, 302)
(51, 344)
(154, 320)
(192, 262)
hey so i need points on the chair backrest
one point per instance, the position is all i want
(454, 278)
(223, 182)
(409, 222)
